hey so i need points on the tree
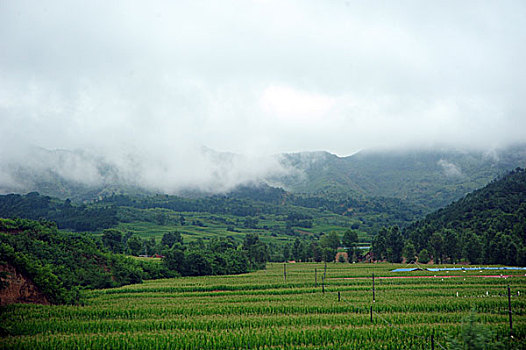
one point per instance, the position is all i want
(251, 222)
(170, 238)
(451, 249)
(298, 250)
(135, 245)
(196, 264)
(237, 261)
(471, 249)
(380, 244)
(112, 239)
(257, 251)
(174, 260)
(423, 256)
(349, 240)
(436, 243)
(329, 244)
(286, 252)
(409, 252)
(395, 245)
(316, 252)
(149, 246)
(160, 218)
(221, 244)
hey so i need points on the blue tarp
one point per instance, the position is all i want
(474, 268)
(436, 269)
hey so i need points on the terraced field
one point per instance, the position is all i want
(262, 310)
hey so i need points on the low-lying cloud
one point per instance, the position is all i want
(147, 87)
(450, 169)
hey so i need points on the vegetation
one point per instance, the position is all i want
(263, 310)
(487, 226)
(64, 213)
(293, 306)
(425, 180)
(61, 263)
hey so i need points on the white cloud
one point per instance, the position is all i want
(289, 104)
(450, 169)
(161, 79)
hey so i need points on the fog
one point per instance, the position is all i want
(155, 89)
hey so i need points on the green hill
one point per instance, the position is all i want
(53, 266)
(488, 225)
(426, 179)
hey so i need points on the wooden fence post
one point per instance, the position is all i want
(509, 310)
(374, 298)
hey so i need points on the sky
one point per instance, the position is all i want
(164, 82)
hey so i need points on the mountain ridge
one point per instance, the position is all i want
(429, 178)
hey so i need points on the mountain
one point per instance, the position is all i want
(424, 180)
(77, 175)
(429, 179)
(488, 225)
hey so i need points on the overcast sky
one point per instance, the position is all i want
(260, 77)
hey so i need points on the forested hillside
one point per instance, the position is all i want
(486, 226)
(425, 179)
(59, 263)
(39, 263)
(64, 213)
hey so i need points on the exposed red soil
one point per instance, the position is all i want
(20, 289)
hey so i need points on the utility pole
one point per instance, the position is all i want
(374, 299)
(509, 310)
(323, 279)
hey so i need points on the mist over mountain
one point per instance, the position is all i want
(82, 175)
(428, 179)
(100, 99)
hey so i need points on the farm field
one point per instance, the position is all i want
(262, 310)
(203, 225)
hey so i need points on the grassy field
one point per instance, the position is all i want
(262, 310)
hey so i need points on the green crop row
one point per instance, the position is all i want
(262, 310)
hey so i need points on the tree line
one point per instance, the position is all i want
(325, 248)
(67, 215)
(487, 226)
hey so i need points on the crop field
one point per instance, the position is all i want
(204, 225)
(263, 310)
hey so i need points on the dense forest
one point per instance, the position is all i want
(67, 215)
(486, 226)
